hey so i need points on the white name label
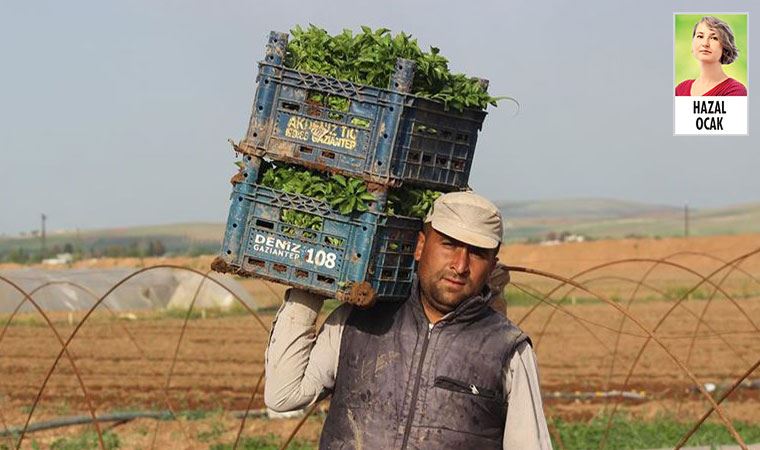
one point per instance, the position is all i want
(710, 116)
(284, 248)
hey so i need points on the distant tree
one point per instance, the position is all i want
(115, 251)
(68, 248)
(158, 248)
(18, 255)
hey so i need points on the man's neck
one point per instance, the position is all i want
(433, 315)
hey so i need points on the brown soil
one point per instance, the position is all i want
(219, 359)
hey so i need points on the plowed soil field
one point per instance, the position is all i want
(130, 364)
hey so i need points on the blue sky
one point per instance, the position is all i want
(118, 113)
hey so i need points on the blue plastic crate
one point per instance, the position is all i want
(386, 136)
(354, 258)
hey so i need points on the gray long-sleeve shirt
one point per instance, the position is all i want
(301, 364)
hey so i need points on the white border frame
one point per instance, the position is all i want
(673, 69)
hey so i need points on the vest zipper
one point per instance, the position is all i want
(453, 385)
(415, 392)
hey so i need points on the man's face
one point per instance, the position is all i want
(450, 271)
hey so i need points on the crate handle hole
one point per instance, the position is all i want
(282, 268)
(329, 155)
(324, 279)
(291, 106)
(304, 149)
(414, 156)
(265, 224)
(302, 273)
(256, 262)
(426, 158)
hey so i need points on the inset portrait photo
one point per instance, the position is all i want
(710, 73)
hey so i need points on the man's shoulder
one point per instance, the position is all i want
(502, 325)
(363, 318)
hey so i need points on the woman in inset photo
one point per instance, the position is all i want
(712, 44)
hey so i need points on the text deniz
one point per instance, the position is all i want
(713, 107)
(285, 248)
(277, 247)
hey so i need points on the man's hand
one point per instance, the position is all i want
(498, 279)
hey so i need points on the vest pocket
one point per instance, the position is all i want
(450, 384)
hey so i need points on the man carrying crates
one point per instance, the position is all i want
(431, 364)
(440, 370)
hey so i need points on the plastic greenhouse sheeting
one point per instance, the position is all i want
(78, 289)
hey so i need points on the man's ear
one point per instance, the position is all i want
(420, 246)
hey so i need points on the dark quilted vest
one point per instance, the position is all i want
(402, 385)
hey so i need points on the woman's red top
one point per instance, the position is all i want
(727, 87)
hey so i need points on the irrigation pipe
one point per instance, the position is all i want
(62, 422)
(704, 417)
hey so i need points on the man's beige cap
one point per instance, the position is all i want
(467, 217)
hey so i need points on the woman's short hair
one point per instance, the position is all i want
(725, 37)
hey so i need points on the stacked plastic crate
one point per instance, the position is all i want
(387, 137)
